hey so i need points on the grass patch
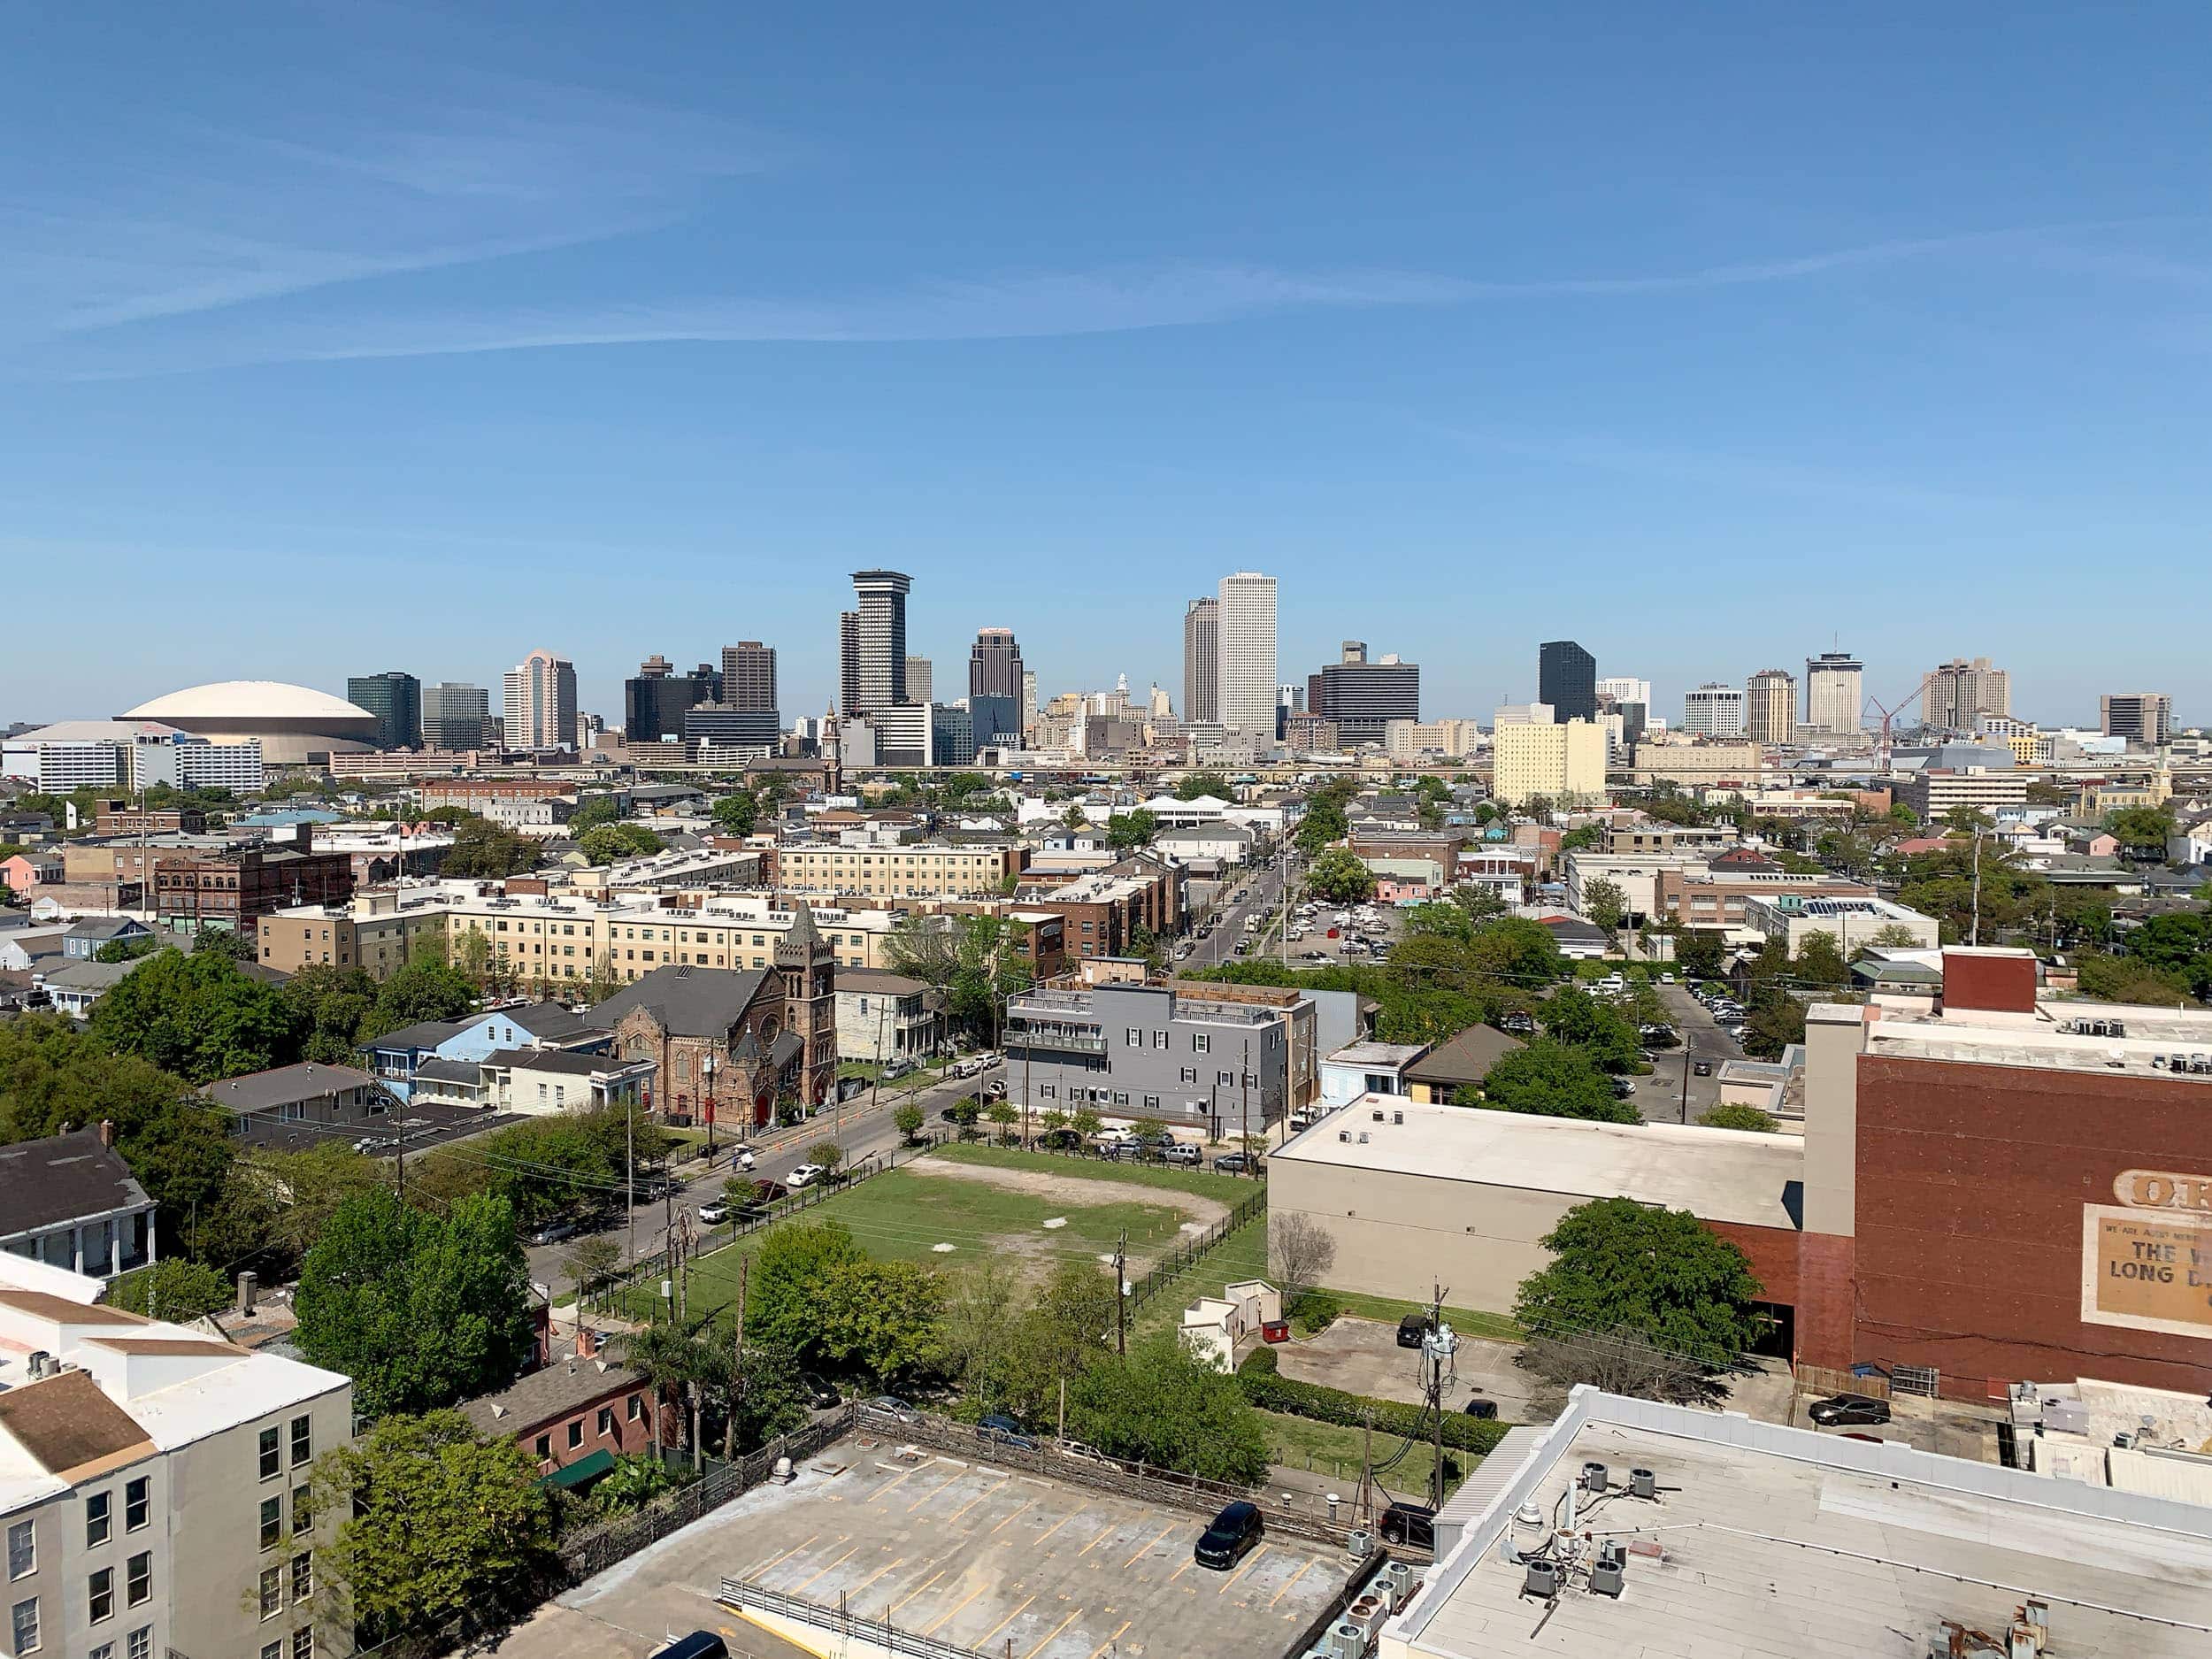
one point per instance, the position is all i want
(1228, 1189)
(1328, 1449)
(903, 1214)
(1497, 1326)
(1242, 1255)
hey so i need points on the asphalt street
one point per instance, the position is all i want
(1263, 894)
(1659, 1097)
(864, 1130)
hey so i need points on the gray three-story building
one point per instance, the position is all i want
(1148, 1051)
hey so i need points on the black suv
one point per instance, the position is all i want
(1235, 1530)
(1410, 1524)
(1413, 1330)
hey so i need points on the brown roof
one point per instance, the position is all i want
(68, 1425)
(46, 1307)
(1464, 1058)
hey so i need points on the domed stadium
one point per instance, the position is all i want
(297, 725)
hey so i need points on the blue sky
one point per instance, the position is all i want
(342, 337)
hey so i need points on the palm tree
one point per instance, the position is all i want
(678, 1361)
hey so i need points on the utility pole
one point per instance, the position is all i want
(629, 1165)
(1685, 1077)
(1437, 1335)
(1974, 931)
(1244, 1085)
(1121, 1296)
(1365, 1508)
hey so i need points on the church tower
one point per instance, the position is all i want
(808, 968)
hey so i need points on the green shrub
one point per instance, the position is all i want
(1271, 1392)
(1260, 1361)
(1315, 1311)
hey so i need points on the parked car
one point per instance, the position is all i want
(1233, 1533)
(1703, 1068)
(1413, 1330)
(1078, 1449)
(553, 1232)
(1183, 1153)
(769, 1191)
(1623, 1087)
(995, 1089)
(1236, 1162)
(818, 1394)
(713, 1213)
(1003, 1430)
(1413, 1524)
(890, 1406)
(1848, 1410)
(806, 1175)
(1666, 978)
(700, 1644)
(1482, 1408)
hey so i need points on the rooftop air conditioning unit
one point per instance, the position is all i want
(1346, 1135)
(1397, 1117)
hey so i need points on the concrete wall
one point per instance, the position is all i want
(216, 1493)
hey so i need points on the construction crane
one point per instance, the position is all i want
(1889, 716)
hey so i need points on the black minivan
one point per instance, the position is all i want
(1235, 1530)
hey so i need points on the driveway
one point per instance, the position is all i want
(1361, 1357)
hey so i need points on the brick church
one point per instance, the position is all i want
(731, 1044)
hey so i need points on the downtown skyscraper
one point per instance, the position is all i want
(871, 644)
(541, 699)
(1245, 678)
(994, 687)
(1202, 662)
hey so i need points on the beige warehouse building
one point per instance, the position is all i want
(1418, 1194)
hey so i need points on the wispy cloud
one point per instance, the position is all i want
(227, 273)
(471, 169)
(1731, 473)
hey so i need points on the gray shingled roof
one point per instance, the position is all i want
(549, 1394)
(424, 1034)
(687, 1002)
(560, 1060)
(549, 1021)
(62, 1178)
(283, 1085)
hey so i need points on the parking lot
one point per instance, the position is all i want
(972, 1554)
(1361, 1357)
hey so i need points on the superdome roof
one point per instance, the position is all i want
(249, 700)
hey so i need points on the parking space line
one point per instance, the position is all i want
(978, 1498)
(770, 1566)
(911, 1594)
(1166, 1534)
(873, 1577)
(1250, 1562)
(948, 1481)
(1293, 1579)
(1015, 1515)
(1107, 1532)
(1111, 1640)
(1054, 1636)
(905, 1474)
(945, 1619)
(1054, 1527)
(1003, 1623)
(840, 1562)
(1179, 1571)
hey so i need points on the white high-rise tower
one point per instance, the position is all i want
(1246, 647)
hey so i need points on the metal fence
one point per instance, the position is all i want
(1123, 1479)
(592, 1552)
(880, 1631)
(1186, 1255)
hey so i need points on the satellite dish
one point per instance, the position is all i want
(45, 910)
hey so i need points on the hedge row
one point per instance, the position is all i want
(1269, 1392)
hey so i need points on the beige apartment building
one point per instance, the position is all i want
(926, 871)
(1696, 764)
(1563, 763)
(552, 940)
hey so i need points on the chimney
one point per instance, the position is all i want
(587, 1340)
(107, 1131)
(249, 1282)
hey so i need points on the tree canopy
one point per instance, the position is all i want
(1619, 1265)
(439, 1520)
(483, 849)
(1554, 1080)
(608, 843)
(419, 1309)
(197, 1015)
(1168, 1408)
(1339, 877)
(1204, 783)
(1604, 903)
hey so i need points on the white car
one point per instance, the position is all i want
(805, 1175)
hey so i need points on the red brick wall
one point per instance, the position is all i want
(1824, 1308)
(1773, 1254)
(1971, 1180)
(2006, 983)
(625, 1436)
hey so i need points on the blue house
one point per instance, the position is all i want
(453, 1048)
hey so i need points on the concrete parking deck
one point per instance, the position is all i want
(969, 1554)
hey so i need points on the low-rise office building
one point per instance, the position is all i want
(1932, 792)
(1785, 921)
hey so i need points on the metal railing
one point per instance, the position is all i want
(1186, 1255)
(880, 1631)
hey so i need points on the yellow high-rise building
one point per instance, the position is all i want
(1565, 764)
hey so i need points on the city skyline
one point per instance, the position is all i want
(465, 323)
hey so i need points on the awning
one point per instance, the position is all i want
(582, 1472)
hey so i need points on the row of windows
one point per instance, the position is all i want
(270, 1449)
(300, 1572)
(633, 1410)
(23, 1629)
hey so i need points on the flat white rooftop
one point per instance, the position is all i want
(2154, 1037)
(1772, 1543)
(1717, 1174)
